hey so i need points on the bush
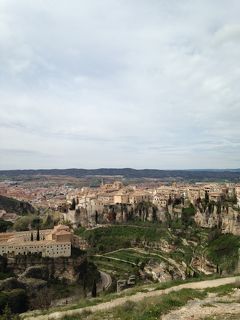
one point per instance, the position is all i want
(22, 224)
(16, 300)
(5, 225)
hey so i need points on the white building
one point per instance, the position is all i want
(53, 243)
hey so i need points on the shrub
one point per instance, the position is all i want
(16, 300)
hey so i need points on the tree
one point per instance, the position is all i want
(16, 301)
(84, 287)
(219, 207)
(96, 217)
(49, 222)
(31, 236)
(188, 216)
(5, 225)
(36, 221)
(234, 198)
(42, 300)
(94, 289)
(206, 197)
(169, 200)
(8, 315)
(73, 205)
(38, 235)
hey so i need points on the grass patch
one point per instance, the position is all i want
(221, 290)
(149, 309)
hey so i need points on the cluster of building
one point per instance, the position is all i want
(91, 206)
(48, 243)
(87, 202)
(45, 196)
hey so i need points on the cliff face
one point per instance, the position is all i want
(113, 213)
(70, 269)
(227, 219)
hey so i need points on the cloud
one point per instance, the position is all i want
(228, 33)
(119, 83)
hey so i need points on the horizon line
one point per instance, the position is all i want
(123, 168)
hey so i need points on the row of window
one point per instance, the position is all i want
(34, 247)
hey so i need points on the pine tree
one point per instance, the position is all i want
(94, 289)
(84, 287)
(73, 205)
(206, 197)
(38, 234)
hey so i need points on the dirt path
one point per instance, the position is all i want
(115, 259)
(135, 298)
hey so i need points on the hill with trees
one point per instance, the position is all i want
(16, 206)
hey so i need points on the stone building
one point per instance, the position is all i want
(52, 243)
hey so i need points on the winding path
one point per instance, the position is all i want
(106, 281)
(135, 298)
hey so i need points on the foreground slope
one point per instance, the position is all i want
(136, 298)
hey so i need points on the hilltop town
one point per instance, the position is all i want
(213, 204)
(115, 201)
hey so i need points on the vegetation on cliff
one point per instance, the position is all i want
(120, 236)
(224, 250)
(16, 206)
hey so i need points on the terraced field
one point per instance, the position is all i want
(113, 266)
(124, 262)
(120, 257)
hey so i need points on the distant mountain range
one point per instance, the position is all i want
(196, 175)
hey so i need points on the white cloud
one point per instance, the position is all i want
(119, 83)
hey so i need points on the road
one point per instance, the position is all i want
(106, 281)
(138, 297)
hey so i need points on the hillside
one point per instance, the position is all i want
(16, 206)
(151, 303)
(122, 250)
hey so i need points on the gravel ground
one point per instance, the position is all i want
(212, 307)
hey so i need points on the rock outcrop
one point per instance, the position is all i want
(34, 266)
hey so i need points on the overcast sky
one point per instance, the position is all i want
(119, 83)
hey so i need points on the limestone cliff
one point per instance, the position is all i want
(57, 268)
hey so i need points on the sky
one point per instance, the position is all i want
(119, 83)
